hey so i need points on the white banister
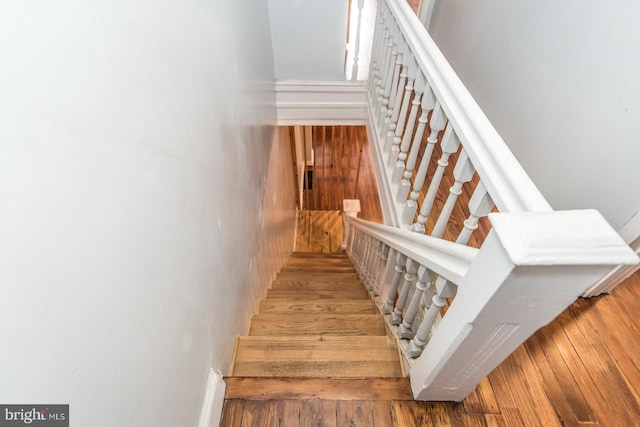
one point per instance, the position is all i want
(444, 258)
(509, 185)
(458, 311)
(529, 269)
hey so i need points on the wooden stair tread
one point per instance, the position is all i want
(330, 255)
(331, 262)
(319, 269)
(317, 276)
(317, 324)
(317, 294)
(323, 306)
(318, 388)
(334, 285)
(317, 356)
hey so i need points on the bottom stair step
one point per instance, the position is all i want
(318, 388)
(317, 357)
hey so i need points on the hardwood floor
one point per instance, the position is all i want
(581, 369)
(342, 165)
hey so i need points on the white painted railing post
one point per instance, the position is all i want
(462, 173)
(437, 122)
(398, 272)
(480, 205)
(529, 269)
(356, 51)
(410, 277)
(425, 276)
(427, 104)
(350, 207)
(443, 290)
(450, 144)
(404, 133)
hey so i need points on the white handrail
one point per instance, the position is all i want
(447, 259)
(509, 185)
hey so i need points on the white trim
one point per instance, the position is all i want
(630, 232)
(560, 238)
(385, 192)
(321, 102)
(211, 411)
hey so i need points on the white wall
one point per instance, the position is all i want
(559, 80)
(135, 142)
(309, 38)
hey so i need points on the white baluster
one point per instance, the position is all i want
(425, 277)
(449, 145)
(410, 277)
(399, 268)
(437, 123)
(403, 144)
(384, 256)
(356, 53)
(374, 66)
(427, 104)
(444, 290)
(462, 173)
(372, 264)
(387, 63)
(352, 233)
(403, 98)
(400, 45)
(393, 103)
(387, 80)
(480, 205)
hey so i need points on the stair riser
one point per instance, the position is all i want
(316, 295)
(328, 307)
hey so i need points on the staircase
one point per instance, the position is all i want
(317, 335)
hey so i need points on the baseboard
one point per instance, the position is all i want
(213, 400)
(630, 232)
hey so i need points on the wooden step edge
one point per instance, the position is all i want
(236, 344)
(340, 254)
(252, 388)
(401, 356)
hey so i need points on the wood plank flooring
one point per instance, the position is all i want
(342, 163)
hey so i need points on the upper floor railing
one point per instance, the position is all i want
(459, 310)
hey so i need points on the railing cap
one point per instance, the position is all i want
(577, 237)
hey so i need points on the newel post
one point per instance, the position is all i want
(530, 268)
